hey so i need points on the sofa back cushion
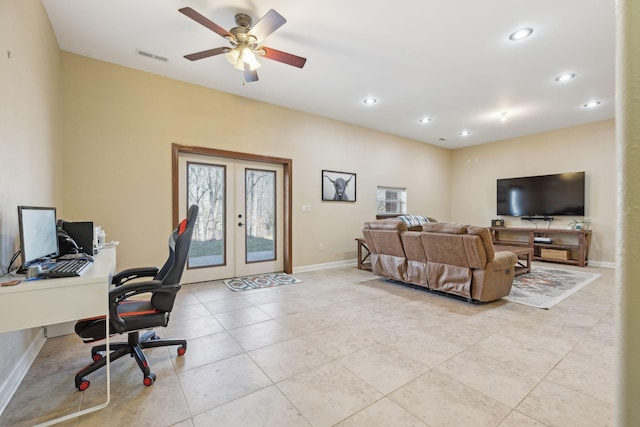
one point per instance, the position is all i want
(385, 235)
(387, 224)
(445, 248)
(475, 252)
(485, 237)
(413, 246)
(444, 227)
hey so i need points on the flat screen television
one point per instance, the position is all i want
(542, 196)
(38, 234)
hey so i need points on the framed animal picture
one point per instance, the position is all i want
(338, 186)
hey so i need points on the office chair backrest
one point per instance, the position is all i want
(171, 272)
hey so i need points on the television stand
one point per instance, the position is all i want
(567, 247)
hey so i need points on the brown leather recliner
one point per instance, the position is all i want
(390, 260)
(461, 261)
(416, 258)
(448, 258)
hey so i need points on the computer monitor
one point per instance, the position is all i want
(38, 234)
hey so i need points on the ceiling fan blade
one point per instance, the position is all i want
(284, 57)
(250, 76)
(202, 20)
(270, 22)
(206, 53)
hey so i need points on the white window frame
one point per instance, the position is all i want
(383, 200)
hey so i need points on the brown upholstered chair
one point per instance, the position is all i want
(461, 261)
(391, 261)
(416, 258)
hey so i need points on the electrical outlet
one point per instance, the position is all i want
(305, 208)
(320, 246)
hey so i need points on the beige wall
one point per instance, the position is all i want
(119, 125)
(29, 137)
(589, 148)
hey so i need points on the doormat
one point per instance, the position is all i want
(545, 287)
(260, 281)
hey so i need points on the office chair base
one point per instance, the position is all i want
(132, 347)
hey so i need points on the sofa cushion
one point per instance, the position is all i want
(387, 224)
(444, 227)
(476, 254)
(413, 246)
(445, 249)
(485, 236)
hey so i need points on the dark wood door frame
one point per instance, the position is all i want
(176, 149)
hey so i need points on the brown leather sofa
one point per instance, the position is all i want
(443, 257)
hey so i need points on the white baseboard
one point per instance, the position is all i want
(602, 264)
(11, 384)
(328, 265)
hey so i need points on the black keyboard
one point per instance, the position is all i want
(66, 268)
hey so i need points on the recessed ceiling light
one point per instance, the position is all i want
(521, 34)
(465, 133)
(425, 120)
(370, 101)
(591, 104)
(565, 77)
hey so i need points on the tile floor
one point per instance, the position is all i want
(345, 348)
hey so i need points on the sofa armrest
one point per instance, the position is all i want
(503, 259)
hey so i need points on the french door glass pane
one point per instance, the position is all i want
(260, 215)
(206, 185)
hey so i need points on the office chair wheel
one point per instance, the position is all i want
(149, 379)
(182, 350)
(83, 385)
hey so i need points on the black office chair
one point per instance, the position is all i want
(132, 315)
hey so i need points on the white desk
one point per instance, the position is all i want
(49, 301)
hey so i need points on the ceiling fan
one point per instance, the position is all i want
(245, 41)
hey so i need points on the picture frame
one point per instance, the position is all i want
(338, 186)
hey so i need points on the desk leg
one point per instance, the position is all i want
(93, 408)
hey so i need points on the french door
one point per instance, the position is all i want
(240, 225)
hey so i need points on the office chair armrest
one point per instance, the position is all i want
(123, 292)
(124, 276)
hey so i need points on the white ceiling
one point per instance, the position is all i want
(449, 60)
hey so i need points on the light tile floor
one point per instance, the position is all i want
(346, 348)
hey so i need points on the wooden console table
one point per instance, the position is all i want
(363, 264)
(573, 243)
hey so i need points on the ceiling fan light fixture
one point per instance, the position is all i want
(233, 56)
(249, 58)
(241, 56)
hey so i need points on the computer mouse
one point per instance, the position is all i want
(34, 271)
